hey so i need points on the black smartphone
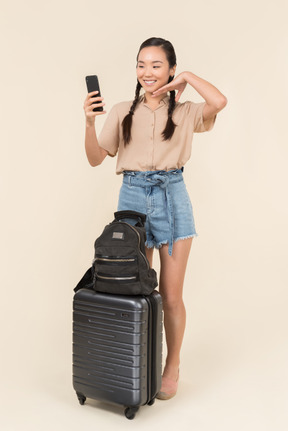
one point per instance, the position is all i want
(93, 85)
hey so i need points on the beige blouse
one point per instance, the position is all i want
(147, 151)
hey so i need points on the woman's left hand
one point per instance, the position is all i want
(179, 83)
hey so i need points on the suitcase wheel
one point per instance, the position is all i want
(130, 412)
(81, 399)
(151, 402)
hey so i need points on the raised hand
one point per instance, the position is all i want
(91, 102)
(179, 83)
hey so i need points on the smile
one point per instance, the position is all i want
(149, 82)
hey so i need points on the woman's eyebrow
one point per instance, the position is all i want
(156, 61)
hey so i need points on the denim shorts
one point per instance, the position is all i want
(163, 197)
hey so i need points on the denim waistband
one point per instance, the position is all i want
(161, 179)
(152, 178)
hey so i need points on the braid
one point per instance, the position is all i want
(127, 121)
(170, 125)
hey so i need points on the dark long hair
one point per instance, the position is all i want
(170, 126)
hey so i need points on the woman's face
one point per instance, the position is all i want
(153, 69)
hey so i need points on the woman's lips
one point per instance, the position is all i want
(149, 82)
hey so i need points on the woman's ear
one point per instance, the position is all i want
(172, 70)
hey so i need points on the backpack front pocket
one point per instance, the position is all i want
(116, 268)
(113, 279)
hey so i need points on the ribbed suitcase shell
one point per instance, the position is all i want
(117, 347)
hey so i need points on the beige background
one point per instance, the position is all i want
(54, 205)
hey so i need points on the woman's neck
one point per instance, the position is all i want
(153, 101)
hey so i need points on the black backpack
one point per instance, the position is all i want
(120, 265)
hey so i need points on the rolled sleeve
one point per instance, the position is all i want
(109, 136)
(200, 125)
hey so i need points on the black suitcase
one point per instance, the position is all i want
(117, 348)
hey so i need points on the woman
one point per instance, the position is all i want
(152, 136)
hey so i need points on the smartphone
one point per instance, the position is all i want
(93, 85)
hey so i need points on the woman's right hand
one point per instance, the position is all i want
(91, 102)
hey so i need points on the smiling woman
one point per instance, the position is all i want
(153, 136)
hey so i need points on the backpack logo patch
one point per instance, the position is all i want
(118, 235)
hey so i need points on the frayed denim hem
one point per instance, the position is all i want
(150, 244)
(186, 237)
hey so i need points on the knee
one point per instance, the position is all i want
(172, 302)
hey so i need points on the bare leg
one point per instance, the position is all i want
(172, 275)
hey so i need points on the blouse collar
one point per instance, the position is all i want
(164, 101)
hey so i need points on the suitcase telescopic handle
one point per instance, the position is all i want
(120, 215)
